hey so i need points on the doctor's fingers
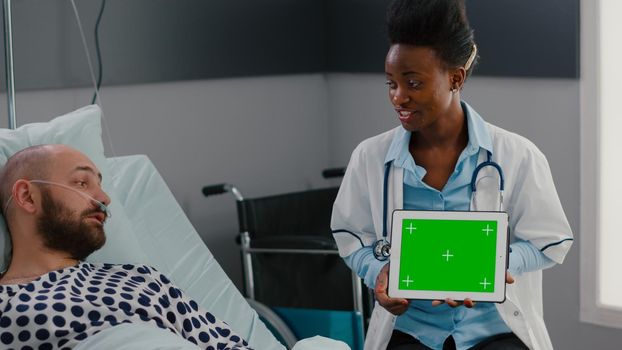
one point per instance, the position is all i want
(508, 278)
(452, 303)
(381, 284)
(387, 302)
(394, 306)
(398, 309)
(468, 303)
(383, 277)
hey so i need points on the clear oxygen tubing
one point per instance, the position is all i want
(102, 207)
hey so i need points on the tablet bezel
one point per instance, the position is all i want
(501, 262)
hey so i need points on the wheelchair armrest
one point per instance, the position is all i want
(295, 242)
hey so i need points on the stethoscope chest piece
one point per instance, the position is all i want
(382, 249)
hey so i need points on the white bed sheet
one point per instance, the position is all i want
(173, 246)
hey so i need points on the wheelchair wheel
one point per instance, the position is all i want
(275, 324)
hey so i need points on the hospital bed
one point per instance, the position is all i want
(147, 226)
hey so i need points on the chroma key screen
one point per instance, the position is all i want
(448, 255)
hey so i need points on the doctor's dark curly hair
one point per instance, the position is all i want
(439, 24)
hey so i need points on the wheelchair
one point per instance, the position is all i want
(293, 275)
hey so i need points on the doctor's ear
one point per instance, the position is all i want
(457, 76)
(24, 196)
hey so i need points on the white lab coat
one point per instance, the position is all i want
(530, 198)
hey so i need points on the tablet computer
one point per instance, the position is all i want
(448, 254)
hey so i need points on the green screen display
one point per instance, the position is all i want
(448, 255)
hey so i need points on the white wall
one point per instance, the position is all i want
(264, 135)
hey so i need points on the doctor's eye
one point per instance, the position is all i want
(414, 84)
(391, 84)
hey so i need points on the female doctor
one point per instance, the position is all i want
(427, 163)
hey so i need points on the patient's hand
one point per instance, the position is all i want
(396, 306)
(468, 302)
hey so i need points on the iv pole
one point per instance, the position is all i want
(8, 60)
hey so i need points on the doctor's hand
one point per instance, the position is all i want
(508, 278)
(396, 306)
(468, 302)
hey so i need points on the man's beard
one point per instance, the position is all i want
(62, 231)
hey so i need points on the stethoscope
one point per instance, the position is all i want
(382, 247)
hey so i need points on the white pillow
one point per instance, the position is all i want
(81, 130)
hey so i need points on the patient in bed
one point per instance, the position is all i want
(50, 298)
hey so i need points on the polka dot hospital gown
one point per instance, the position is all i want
(61, 308)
